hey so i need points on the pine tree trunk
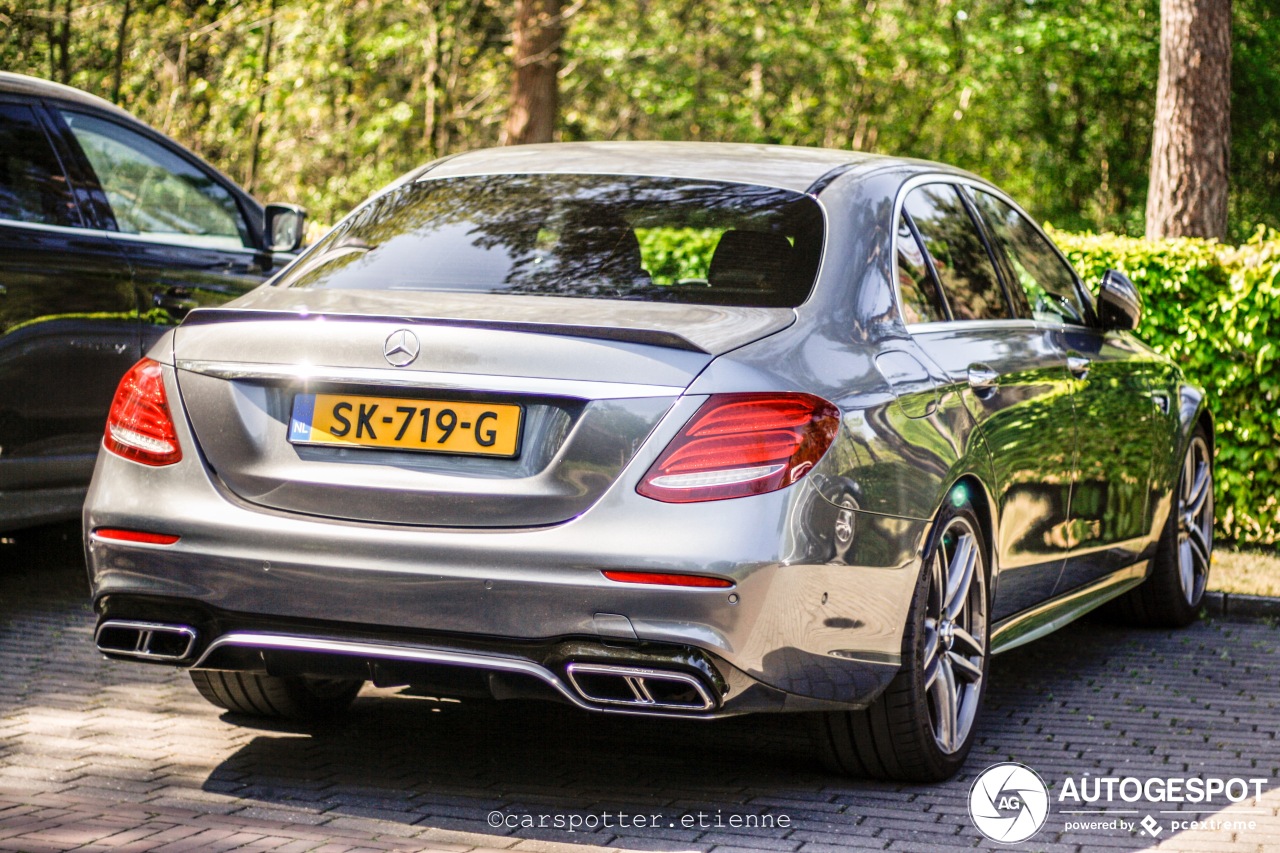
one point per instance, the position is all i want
(534, 92)
(122, 38)
(1191, 143)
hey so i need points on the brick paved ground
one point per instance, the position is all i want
(96, 755)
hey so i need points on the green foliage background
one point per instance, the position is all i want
(1051, 99)
(1216, 311)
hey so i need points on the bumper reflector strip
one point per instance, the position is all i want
(663, 579)
(117, 534)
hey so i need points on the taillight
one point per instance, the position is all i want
(139, 426)
(742, 444)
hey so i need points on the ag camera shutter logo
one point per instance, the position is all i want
(1008, 802)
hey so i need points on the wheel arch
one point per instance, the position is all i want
(1195, 411)
(984, 507)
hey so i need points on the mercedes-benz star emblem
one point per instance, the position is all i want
(401, 348)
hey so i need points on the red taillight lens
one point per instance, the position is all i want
(142, 536)
(666, 579)
(742, 444)
(139, 426)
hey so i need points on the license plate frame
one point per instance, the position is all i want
(402, 425)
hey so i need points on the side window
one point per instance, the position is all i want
(33, 187)
(918, 289)
(1049, 283)
(958, 254)
(155, 193)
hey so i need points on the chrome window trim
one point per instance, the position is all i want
(79, 231)
(174, 241)
(899, 203)
(56, 229)
(429, 380)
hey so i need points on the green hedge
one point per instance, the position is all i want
(1215, 310)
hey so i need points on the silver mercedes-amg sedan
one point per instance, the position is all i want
(680, 430)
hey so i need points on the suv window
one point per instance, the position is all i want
(916, 286)
(1049, 283)
(33, 187)
(154, 192)
(957, 252)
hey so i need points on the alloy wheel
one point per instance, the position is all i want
(1195, 521)
(955, 635)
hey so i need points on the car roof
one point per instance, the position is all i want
(21, 84)
(789, 167)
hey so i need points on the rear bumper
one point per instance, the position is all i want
(808, 624)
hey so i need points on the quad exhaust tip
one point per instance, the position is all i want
(640, 688)
(145, 640)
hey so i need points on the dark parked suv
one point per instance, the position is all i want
(109, 232)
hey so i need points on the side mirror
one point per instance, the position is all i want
(1119, 303)
(283, 224)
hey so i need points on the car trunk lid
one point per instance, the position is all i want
(579, 398)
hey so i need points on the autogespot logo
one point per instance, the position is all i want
(1008, 802)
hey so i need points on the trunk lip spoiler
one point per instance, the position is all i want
(625, 334)
(586, 389)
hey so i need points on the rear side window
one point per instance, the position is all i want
(1048, 282)
(916, 286)
(588, 236)
(33, 187)
(957, 253)
(155, 193)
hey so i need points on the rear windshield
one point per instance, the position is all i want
(591, 236)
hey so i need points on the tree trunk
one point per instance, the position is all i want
(255, 132)
(122, 37)
(1191, 143)
(534, 93)
(64, 40)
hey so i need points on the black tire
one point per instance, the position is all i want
(261, 695)
(898, 737)
(1171, 595)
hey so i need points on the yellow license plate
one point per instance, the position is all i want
(440, 426)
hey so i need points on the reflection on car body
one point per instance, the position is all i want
(109, 234)
(795, 430)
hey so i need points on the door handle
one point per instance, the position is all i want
(983, 378)
(1078, 365)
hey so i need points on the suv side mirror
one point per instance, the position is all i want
(283, 224)
(1119, 303)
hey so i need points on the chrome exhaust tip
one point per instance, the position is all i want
(152, 641)
(639, 687)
